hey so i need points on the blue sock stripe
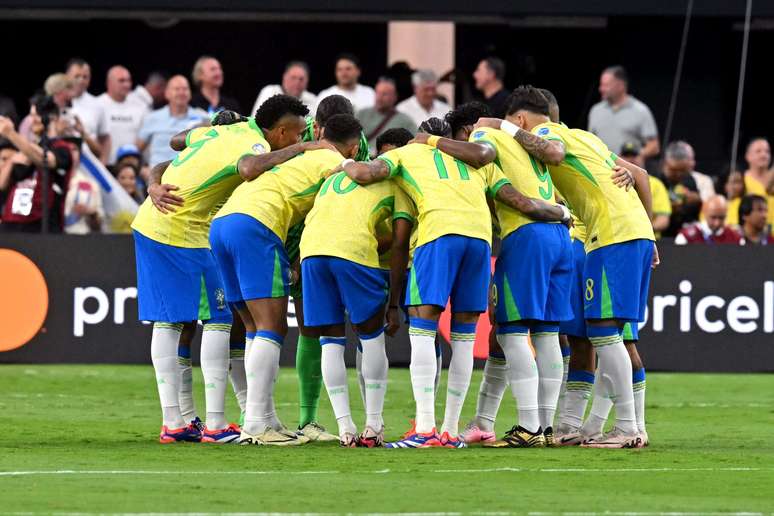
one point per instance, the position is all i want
(341, 341)
(183, 352)
(499, 356)
(359, 347)
(369, 336)
(250, 335)
(580, 376)
(458, 327)
(423, 324)
(566, 351)
(638, 375)
(544, 328)
(602, 331)
(506, 329)
(269, 335)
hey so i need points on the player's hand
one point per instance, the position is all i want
(332, 171)
(622, 177)
(162, 199)
(6, 126)
(488, 122)
(227, 117)
(393, 321)
(420, 138)
(319, 144)
(656, 258)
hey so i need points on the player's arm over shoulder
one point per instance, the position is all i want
(367, 172)
(500, 188)
(475, 154)
(544, 143)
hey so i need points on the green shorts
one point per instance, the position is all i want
(292, 247)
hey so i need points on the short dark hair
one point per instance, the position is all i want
(753, 140)
(342, 128)
(619, 72)
(300, 64)
(466, 114)
(549, 96)
(436, 127)
(333, 105)
(348, 57)
(276, 107)
(529, 99)
(747, 205)
(397, 136)
(75, 61)
(497, 66)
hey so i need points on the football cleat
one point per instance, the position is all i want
(348, 440)
(417, 440)
(548, 434)
(615, 438)
(198, 423)
(370, 438)
(644, 438)
(473, 434)
(316, 432)
(271, 437)
(448, 441)
(227, 435)
(189, 434)
(411, 431)
(519, 437)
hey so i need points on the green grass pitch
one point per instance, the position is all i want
(84, 439)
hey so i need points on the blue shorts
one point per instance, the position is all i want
(631, 331)
(533, 274)
(178, 284)
(616, 280)
(251, 257)
(577, 325)
(332, 285)
(451, 266)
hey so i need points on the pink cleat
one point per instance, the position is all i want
(473, 434)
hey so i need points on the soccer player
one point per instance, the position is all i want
(451, 261)
(392, 139)
(620, 243)
(342, 275)
(177, 278)
(248, 239)
(530, 293)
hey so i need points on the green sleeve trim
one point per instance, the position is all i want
(390, 164)
(614, 156)
(403, 215)
(188, 137)
(492, 191)
(554, 138)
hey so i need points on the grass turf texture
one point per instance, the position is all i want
(711, 451)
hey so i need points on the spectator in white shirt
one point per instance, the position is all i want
(424, 104)
(85, 105)
(151, 94)
(121, 117)
(294, 83)
(347, 75)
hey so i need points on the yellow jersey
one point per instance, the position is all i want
(346, 219)
(281, 197)
(661, 203)
(611, 214)
(449, 195)
(526, 174)
(754, 187)
(578, 229)
(206, 174)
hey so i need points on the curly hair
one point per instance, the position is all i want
(333, 105)
(436, 127)
(276, 107)
(466, 114)
(342, 128)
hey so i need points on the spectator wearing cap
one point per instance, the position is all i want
(735, 189)
(126, 175)
(130, 155)
(713, 229)
(683, 191)
(207, 77)
(383, 116)
(424, 104)
(759, 178)
(620, 117)
(151, 94)
(121, 117)
(489, 77)
(295, 80)
(161, 125)
(662, 207)
(85, 105)
(347, 85)
(753, 218)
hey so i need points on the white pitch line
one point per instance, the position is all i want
(384, 471)
(479, 513)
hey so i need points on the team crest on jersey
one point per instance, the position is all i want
(478, 134)
(220, 298)
(258, 148)
(543, 131)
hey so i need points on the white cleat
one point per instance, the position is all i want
(615, 438)
(348, 440)
(644, 438)
(316, 432)
(567, 435)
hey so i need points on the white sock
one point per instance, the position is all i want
(601, 406)
(185, 396)
(164, 341)
(215, 352)
(334, 373)
(490, 394)
(579, 385)
(548, 355)
(614, 362)
(522, 374)
(237, 372)
(638, 386)
(563, 390)
(261, 366)
(359, 369)
(375, 366)
(463, 337)
(423, 369)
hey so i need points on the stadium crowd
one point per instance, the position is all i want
(128, 129)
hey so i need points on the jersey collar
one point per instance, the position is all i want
(251, 123)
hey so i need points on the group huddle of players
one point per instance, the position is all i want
(253, 210)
